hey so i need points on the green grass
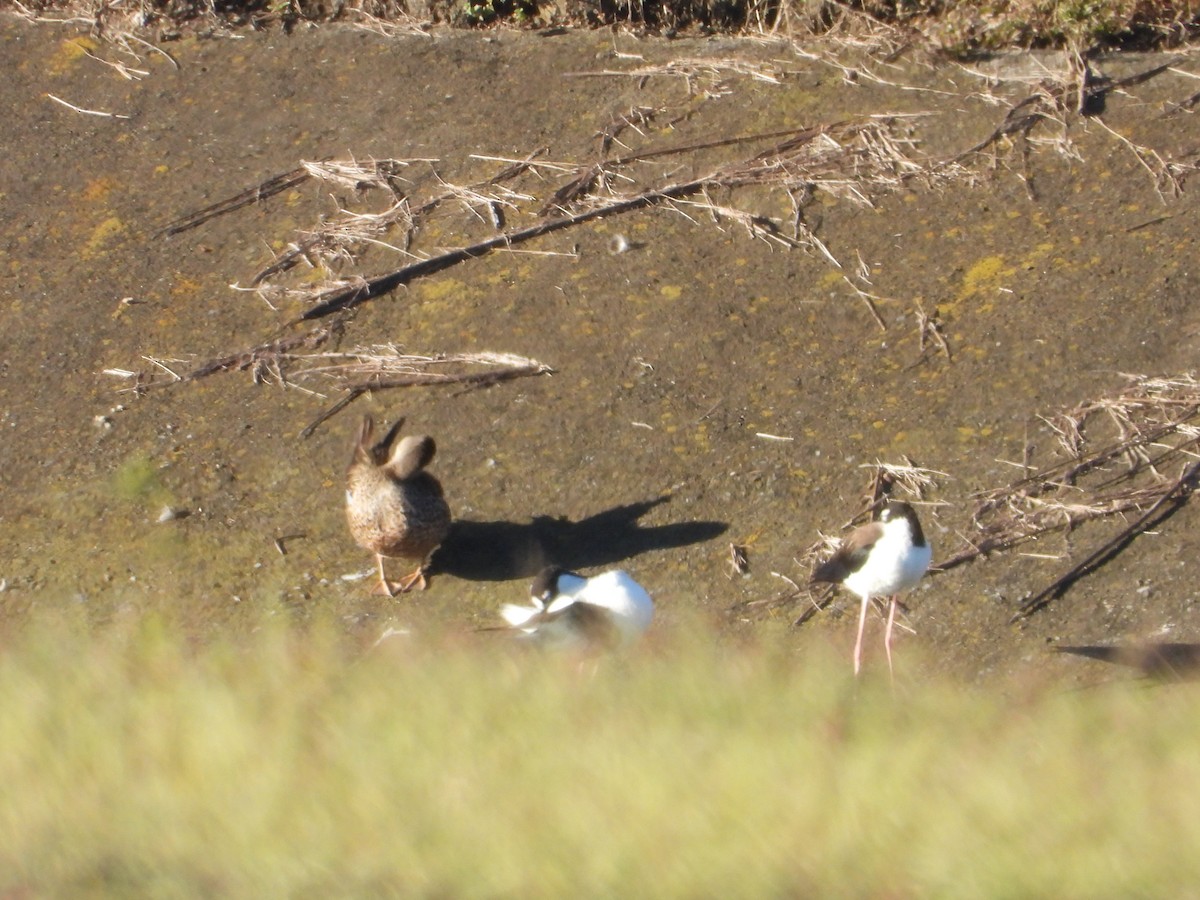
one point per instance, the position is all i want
(137, 763)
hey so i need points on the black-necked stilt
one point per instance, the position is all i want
(568, 610)
(883, 558)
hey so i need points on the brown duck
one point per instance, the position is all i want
(393, 506)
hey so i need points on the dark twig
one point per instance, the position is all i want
(351, 395)
(268, 188)
(416, 379)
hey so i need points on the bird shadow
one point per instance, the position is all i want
(1158, 661)
(500, 551)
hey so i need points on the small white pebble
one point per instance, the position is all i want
(171, 513)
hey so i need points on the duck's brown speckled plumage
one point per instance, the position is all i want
(394, 507)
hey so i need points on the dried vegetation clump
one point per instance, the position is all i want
(1134, 452)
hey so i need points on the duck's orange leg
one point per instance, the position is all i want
(384, 587)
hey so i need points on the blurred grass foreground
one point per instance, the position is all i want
(135, 762)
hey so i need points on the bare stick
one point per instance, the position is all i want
(467, 379)
(268, 188)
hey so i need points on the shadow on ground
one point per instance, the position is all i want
(500, 551)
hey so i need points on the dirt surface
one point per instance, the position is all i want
(679, 363)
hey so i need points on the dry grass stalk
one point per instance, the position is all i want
(707, 74)
(283, 362)
(342, 240)
(384, 366)
(931, 332)
(396, 25)
(635, 118)
(383, 174)
(264, 361)
(87, 112)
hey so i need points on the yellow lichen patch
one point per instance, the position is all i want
(70, 52)
(315, 275)
(162, 169)
(185, 287)
(103, 235)
(98, 189)
(983, 278)
(829, 279)
(671, 291)
(446, 298)
(983, 274)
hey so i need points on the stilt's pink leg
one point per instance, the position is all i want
(862, 621)
(887, 635)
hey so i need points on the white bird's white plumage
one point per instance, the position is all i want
(570, 610)
(894, 564)
(880, 559)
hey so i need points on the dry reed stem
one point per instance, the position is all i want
(354, 373)
(387, 362)
(709, 74)
(87, 112)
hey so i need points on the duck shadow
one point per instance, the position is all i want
(501, 551)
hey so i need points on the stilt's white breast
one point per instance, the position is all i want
(894, 564)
